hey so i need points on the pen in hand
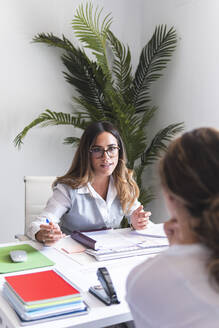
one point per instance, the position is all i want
(49, 233)
(47, 221)
(54, 229)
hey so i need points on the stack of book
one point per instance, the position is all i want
(43, 295)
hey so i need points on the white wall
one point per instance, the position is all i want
(188, 92)
(31, 81)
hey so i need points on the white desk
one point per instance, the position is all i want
(84, 275)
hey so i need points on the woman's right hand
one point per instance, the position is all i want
(49, 234)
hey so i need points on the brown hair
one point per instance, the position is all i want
(190, 170)
(80, 172)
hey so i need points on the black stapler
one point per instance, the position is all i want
(104, 292)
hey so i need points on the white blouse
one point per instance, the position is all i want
(172, 290)
(81, 209)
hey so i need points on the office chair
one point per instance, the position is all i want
(38, 189)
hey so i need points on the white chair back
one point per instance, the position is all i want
(38, 189)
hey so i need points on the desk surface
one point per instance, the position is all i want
(83, 274)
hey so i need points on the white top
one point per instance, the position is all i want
(172, 290)
(81, 209)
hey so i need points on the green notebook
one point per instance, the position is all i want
(35, 259)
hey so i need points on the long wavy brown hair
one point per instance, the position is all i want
(81, 172)
(190, 170)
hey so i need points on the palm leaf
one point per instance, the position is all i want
(54, 118)
(86, 77)
(121, 67)
(147, 116)
(134, 139)
(50, 118)
(154, 58)
(92, 33)
(74, 141)
(159, 143)
(90, 111)
(138, 174)
(51, 40)
(18, 140)
(146, 195)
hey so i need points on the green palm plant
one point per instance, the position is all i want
(109, 90)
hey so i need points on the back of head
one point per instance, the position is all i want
(190, 171)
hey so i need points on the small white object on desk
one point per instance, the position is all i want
(18, 256)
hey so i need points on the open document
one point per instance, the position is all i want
(120, 243)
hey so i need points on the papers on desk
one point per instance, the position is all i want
(124, 242)
(152, 230)
(117, 243)
(69, 246)
(40, 295)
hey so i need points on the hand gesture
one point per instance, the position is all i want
(49, 233)
(139, 218)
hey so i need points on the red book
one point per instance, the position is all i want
(41, 287)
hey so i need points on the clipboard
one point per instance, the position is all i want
(35, 259)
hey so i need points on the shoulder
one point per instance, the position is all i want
(144, 272)
(144, 287)
(64, 189)
(177, 261)
(69, 191)
(149, 286)
(165, 274)
(156, 275)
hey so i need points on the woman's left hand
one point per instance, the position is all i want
(139, 218)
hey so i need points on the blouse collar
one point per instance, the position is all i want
(111, 193)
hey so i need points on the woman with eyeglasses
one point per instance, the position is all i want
(179, 288)
(95, 193)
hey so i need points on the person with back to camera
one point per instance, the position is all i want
(179, 288)
(96, 192)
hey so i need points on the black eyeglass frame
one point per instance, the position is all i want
(103, 151)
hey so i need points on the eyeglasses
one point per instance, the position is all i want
(98, 152)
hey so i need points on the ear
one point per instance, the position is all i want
(169, 197)
(172, 229)
(171, 203)
(172, 199)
